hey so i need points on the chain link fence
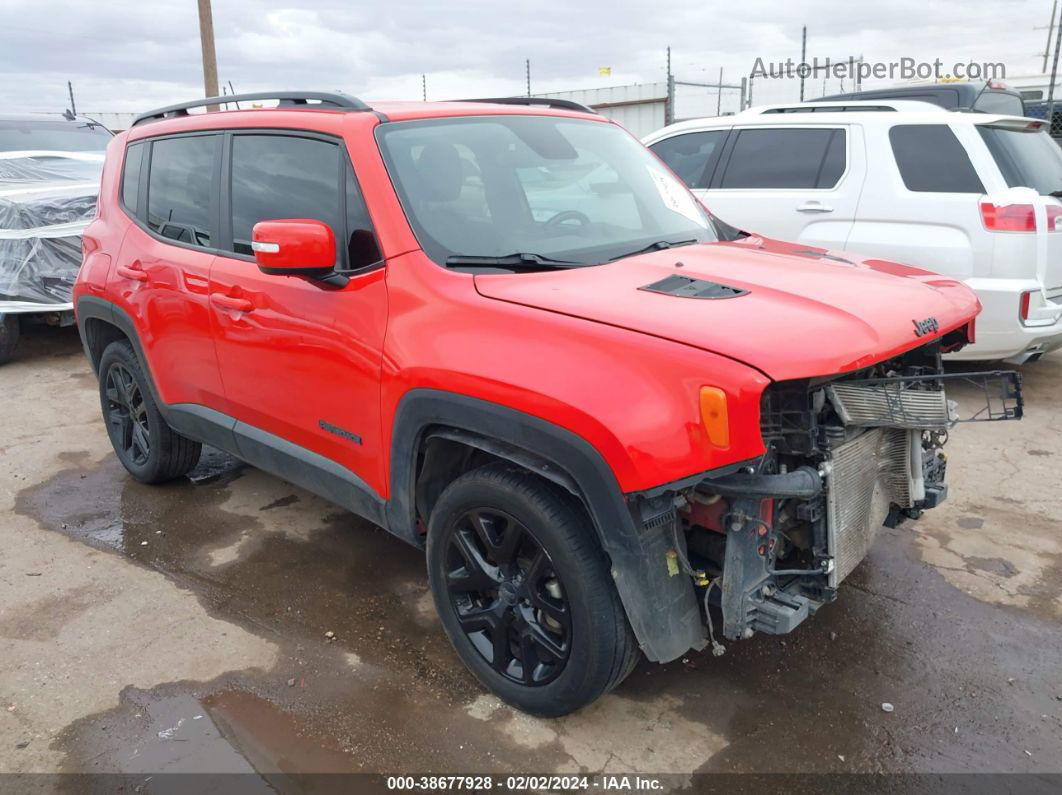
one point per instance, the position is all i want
(1038, 110)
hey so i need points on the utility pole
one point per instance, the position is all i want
(803, 59)
(1050, 32)
(527, 70)
(424, 87)
(1054, 77)
(70, 88)
(210, 61)
(719, 98)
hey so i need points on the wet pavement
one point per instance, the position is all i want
(183, 628)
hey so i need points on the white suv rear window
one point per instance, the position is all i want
(931, 159)
(1026, 159)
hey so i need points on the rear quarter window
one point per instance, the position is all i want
(134, 158)
(931, 160)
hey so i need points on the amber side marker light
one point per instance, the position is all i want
(714, 416)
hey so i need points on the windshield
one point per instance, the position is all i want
(1026, 159)
(58, 136)
(581, 192)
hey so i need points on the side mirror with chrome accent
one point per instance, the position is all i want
(294, 247)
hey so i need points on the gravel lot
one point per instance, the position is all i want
(148, 629)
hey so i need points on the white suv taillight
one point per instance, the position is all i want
(1018, 217)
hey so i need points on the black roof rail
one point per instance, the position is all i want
(545, 102)
(324, 100)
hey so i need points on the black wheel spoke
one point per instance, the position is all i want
(501, 536)
(475, 563)
(528, 658)
(538, 567)
(140, 442)
(552, 608)
(469, 579)
(545, 643)
(478, 619)
(499, 641)
(127, 434)
(509, 543)
(115, 417)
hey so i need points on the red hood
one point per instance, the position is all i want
(804, 314)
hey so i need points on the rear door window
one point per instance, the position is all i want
(931, 160)
(180, 188)
(786, 158)
(1026, 159)
(692, 156)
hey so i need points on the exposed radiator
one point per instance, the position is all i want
(893, 405)
(866, 475)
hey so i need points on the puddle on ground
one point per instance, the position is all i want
(389, 693)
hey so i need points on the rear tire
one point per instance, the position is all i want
(147, 446)
(9, 335)
(524, 592)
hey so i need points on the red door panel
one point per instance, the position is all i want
(302, 361)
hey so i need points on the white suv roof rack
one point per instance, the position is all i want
(849, 106)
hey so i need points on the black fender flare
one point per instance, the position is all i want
(662, 608)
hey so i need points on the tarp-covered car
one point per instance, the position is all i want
(49, 179)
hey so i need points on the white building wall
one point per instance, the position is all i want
(640, 107)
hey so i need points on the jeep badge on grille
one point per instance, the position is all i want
(927, 326)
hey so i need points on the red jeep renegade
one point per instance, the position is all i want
(507, 333)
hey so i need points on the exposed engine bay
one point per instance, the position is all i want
(771, 542)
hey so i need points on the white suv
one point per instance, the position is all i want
(969, 195)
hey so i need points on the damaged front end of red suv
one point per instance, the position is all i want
(844, 457)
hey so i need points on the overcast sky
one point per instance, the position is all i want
(132, 56)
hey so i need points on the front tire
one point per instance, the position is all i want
(147, 446)
(524, 593)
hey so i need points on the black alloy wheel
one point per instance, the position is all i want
(525, 592)
(508, 598)
(149, 449)
(126, 413)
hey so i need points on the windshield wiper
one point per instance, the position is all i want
(657, 245)
(517, 261)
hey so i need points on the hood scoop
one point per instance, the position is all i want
(685, 287)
